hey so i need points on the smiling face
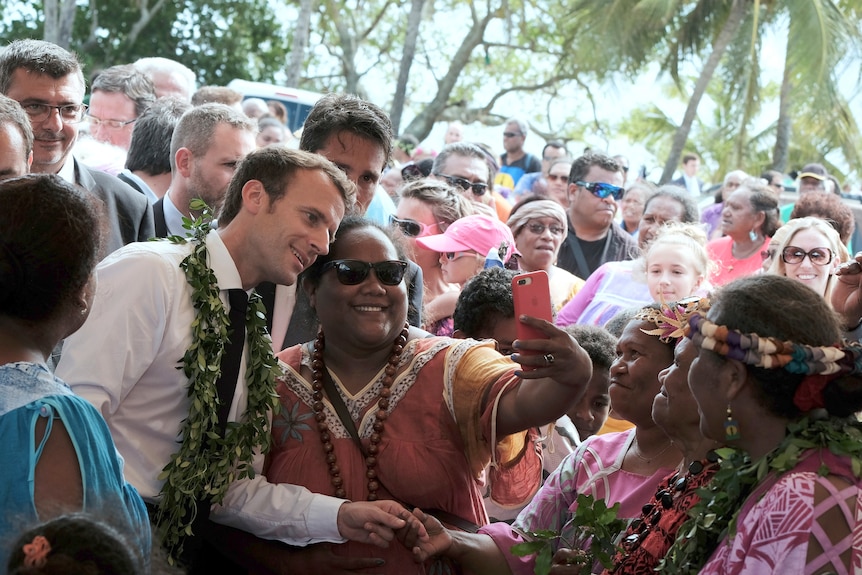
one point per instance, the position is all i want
(588, 210)
(674, 408)
(672, 272)
(53, 138)
(367, 316)
(539, 250)
(806, 272)
(634, 374)
(288, 235)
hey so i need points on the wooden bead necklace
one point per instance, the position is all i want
(317, 370)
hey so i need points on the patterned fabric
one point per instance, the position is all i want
(608, 290)
(29, 392)
(648, 539)
(595, 468)
(437, 439)
(781, 520)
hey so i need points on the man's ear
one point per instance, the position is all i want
(310, 292)
(183, 160)
(254, 197)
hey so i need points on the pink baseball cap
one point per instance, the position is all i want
(478, 233)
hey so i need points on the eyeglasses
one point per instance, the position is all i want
(69, 114)
(478, 188)
(412, 228)
(557, 177)
(767, 254)
(354, 272)
(602, 190)
(452, 256)
(511, 134)
(115, 124)
(818, 256)
(539, 229)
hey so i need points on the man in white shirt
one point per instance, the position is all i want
(281, 211)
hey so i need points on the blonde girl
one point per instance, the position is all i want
(675, 264)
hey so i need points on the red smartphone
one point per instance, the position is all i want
(531, 296)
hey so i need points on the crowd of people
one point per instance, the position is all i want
(318, 367)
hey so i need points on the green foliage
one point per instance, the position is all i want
(595, 528)
(206, 463)
(714, 517)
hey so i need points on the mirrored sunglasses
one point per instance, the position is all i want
(818, 256)
(354, 272)
(413, 228)
(602, 190)
(478, 188)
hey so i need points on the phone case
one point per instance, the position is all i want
(532, 296)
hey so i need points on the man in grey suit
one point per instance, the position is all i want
(49, 84)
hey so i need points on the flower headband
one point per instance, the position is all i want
(820, 364)
(36, 553)
(672, 320)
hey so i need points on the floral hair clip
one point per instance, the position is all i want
(36, 553)
(671, 320)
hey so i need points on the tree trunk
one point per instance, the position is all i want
(59, 21)
(300, 43)
(424, 121)
(728, 31)
(413, 22)
(781, 151)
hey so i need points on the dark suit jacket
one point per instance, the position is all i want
(303, 322)
(680, 181)
(128, 215)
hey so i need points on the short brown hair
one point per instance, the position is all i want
(217, 95)
(275, 167)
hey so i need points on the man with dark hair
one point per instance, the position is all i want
(48, 83)
(689, 179)
(149, 300)
(595, 187)
(208, 143)
(118, 97)
(356, 136)
(16, 140)
(467, 168)
(148, 163)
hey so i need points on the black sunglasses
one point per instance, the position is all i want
(478, 188)
(602, 190)
(353, 272)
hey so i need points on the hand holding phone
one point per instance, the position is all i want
(531, 295)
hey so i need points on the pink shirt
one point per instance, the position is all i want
(728, 267)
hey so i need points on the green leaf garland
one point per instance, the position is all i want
(207, 463)
(714, 517)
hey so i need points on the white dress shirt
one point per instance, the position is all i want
(124, 361)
